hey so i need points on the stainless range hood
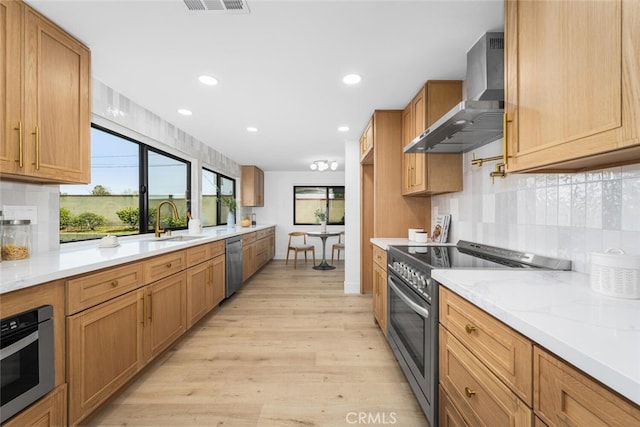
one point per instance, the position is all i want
(478, 120)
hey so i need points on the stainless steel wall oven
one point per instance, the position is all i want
(26, 359)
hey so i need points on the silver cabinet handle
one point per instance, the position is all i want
(423, 312)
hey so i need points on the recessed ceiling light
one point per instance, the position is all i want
(351, 79)
(343, 129)
(208, 80)
(252, 129)
(185, 112)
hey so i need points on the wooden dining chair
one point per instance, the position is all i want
(337, 247)
(298, 243)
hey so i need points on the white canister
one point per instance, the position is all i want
(421, 237)
(412, 233)
(195, 226)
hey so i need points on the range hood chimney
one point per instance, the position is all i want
(477, 120)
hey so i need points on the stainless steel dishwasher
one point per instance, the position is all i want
(233, 265)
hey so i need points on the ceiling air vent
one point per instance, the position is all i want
(217, 6)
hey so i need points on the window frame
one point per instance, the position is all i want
(219, 178)
(143, 150)
(326, 189)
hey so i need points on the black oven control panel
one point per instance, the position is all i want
(25, 320)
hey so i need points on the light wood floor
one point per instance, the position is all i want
(289, 349)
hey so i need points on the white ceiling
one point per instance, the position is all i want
(280, 67)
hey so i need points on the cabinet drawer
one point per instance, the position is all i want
(248, 238)
(217, 248)
(380, 257)
(262, 246)
(481, 398)
(564, 396)
(448, 414)
(261, 234)
(92, 289)
(505, 352)
(164, 265)
(198, 254)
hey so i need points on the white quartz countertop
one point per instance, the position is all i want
(83, 257)
(599, 335)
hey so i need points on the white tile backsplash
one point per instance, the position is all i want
(561, 215)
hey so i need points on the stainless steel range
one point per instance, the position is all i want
(412, 304)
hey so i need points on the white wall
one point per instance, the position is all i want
(352, 215)
(559, 215)
(278, 207)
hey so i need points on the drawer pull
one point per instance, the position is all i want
(469, 392)
(168, 265)
(469, 328)
(114, 283)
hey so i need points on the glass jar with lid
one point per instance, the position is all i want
(16, 239)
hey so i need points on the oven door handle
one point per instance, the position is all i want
(18, 345)
(423, 312)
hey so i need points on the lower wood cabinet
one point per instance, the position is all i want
(205, 288)
(479, 396)
(165, 310)
(564, 396)
(258, 248)
(50, 411)
(104, 351)
(490, 375)
(380, 287)
(109, 343)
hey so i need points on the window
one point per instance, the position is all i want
(215, 186)
(307, 199)
(128, 181)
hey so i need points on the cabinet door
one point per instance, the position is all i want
(11, 87)
(103, 351)
(57, 103)
(408, 159)
(218, 280)
(380, 296)
(570, 87)
(563, 396)
(419, 109)
(247, 261)
(165, 314)
(252, 180)
(198, 281)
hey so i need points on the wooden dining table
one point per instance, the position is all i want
(324, 265)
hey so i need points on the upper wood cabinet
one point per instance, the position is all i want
(572, 98)
(366, 144)
(46, 118)
(425, 174)
(252, 186)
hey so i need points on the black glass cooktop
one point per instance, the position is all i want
(472, 255)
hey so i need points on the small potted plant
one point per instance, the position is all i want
(321, 217)
(231, 205)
